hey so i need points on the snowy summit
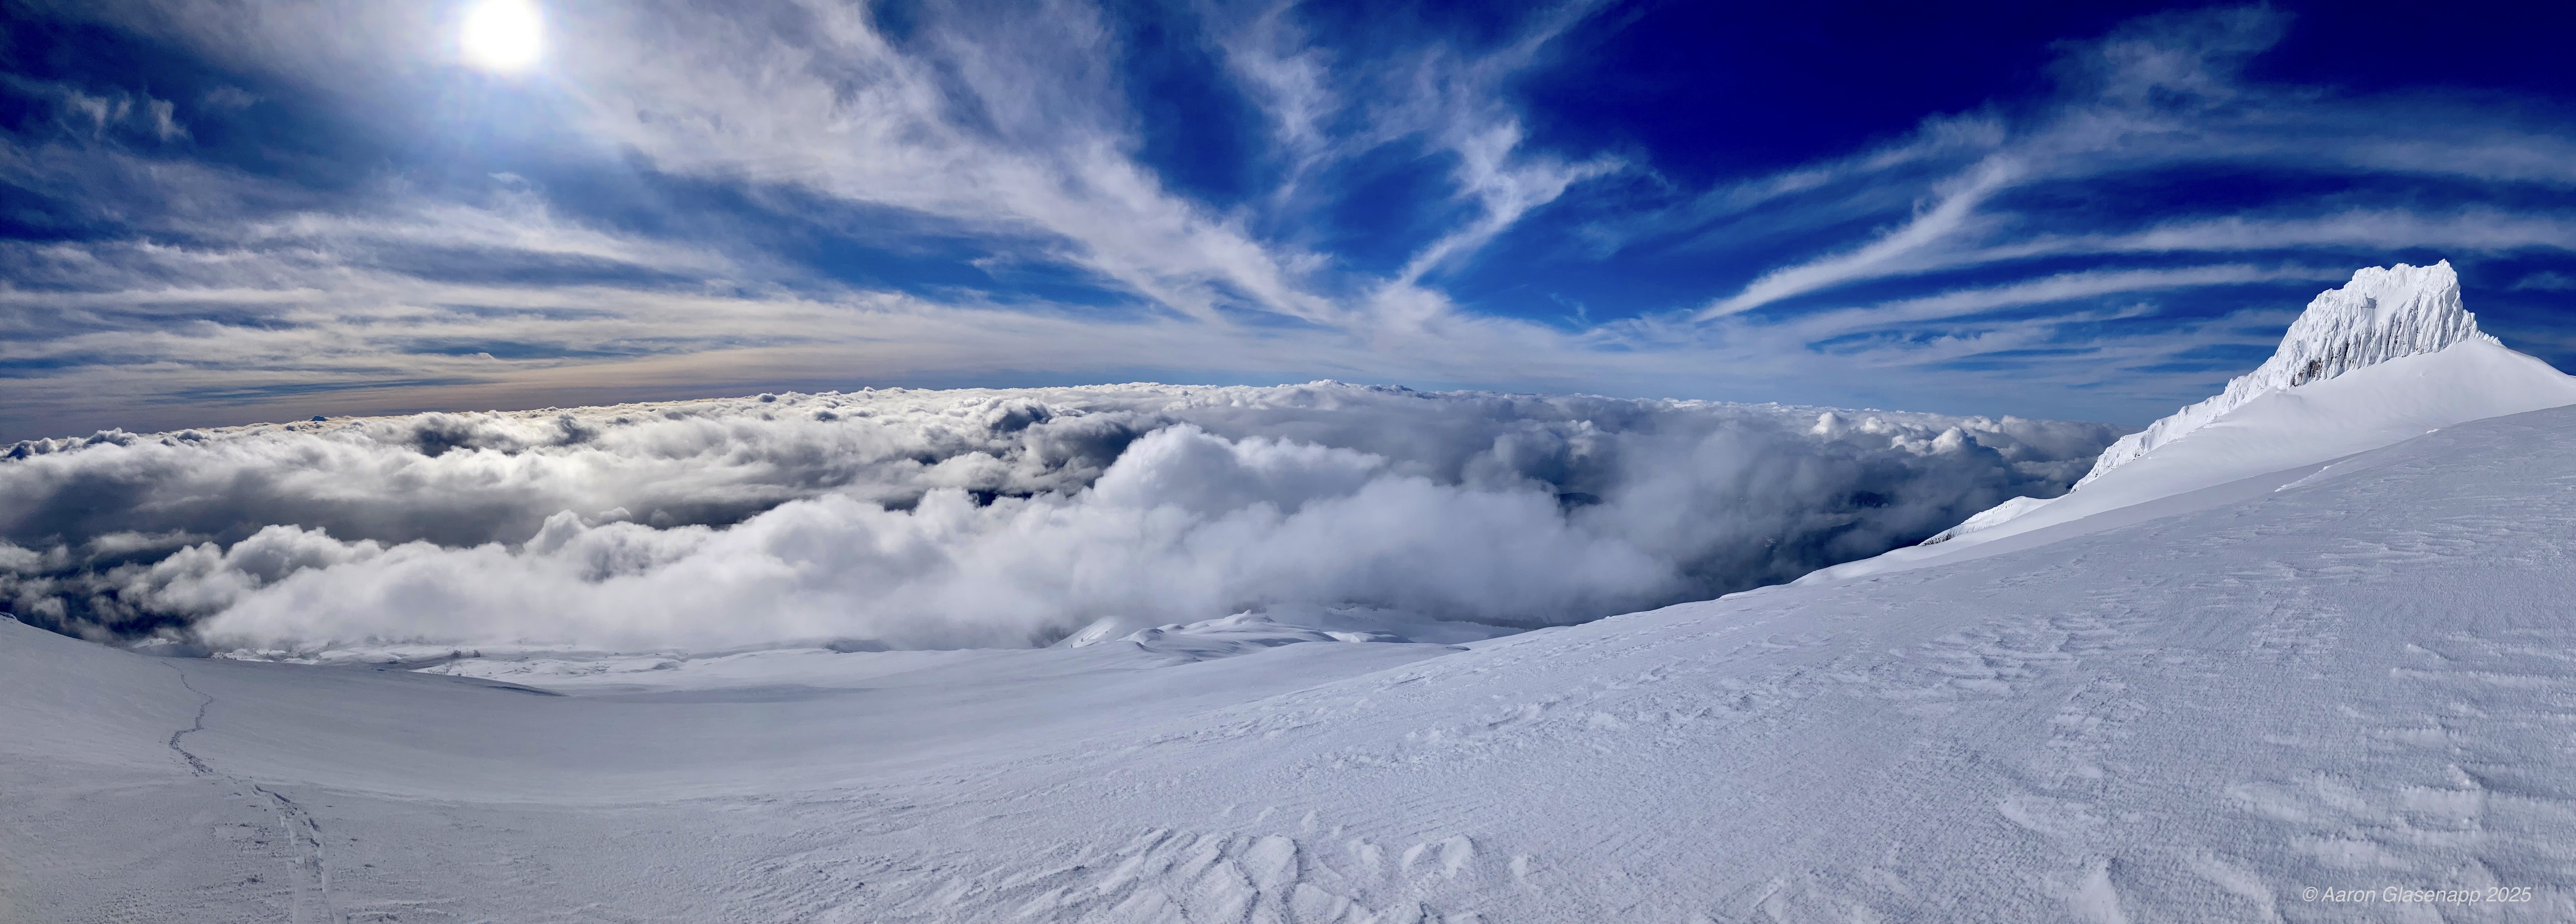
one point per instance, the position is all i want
(2390, 354)
(2381, 315)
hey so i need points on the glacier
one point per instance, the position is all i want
(2317, 648)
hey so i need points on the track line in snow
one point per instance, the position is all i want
(195, 725)
(312, 877)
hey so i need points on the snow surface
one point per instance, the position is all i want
(1989, 518)
(2359, 680)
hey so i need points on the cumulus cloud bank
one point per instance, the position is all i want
(978, 518)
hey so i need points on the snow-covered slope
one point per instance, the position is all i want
(2382, 314)
(2353, 683)
(2388, 357)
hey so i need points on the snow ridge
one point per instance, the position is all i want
(2382, 314)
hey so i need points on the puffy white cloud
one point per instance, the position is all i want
(930, 519)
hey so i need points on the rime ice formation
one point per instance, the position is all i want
(2380, 315)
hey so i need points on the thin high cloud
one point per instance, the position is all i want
(2049, 290)
(237, 289)
(2161, 94)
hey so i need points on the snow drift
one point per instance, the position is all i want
(1014, 517)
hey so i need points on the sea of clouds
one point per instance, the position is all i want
(915, 519)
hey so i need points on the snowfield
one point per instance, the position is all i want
(2305, 662)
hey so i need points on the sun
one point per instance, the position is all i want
(502, 35)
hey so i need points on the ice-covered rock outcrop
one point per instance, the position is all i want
(2382, 314)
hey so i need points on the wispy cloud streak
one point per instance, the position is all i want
(1013, 156)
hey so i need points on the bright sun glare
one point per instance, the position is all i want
(502, 35)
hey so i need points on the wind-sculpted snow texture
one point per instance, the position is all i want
(2357, 684)
(936, 519)
(2382, 314)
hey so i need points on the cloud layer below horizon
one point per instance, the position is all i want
(226, 213)
(979, 518)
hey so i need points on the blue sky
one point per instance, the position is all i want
(226, 212)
